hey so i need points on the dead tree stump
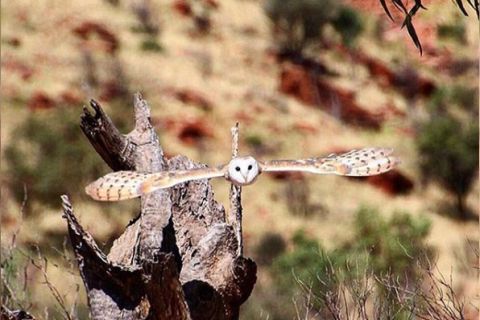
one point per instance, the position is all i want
(180, 258)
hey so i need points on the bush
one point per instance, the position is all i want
(465, 97)
(459, 95)
(309, 265)
(380, 248)
(389, 249)
(151, 44)
(449, 155)
(51, 157)
(454, 32)
(297, 195)
(13, 266)
(254, 141)
(270, 246)
(349, 24)
(298, 23)
(395, 246)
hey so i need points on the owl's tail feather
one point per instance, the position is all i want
(115, 186)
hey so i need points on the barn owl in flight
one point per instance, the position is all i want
(241, 171)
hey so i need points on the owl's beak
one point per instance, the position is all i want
(244, 178)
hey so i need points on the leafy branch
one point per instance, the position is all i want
(410, 13)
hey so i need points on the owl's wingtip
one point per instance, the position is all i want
(396, 162)
(92, 190)
(88, 189)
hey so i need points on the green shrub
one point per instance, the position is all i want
(455, 31)
(449, 155)
(307, 265)
(270, 246)
(298, 23)
(151, 44)
(254, 141)
(460, 95)
(51, 157)
(395, 246)
(349, 24)
(379, 248)
(13, 265)
(466, 97)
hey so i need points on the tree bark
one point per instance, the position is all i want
(180, 259)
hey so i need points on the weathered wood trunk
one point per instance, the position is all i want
(181, 258)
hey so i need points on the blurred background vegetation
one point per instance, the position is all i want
(304, 78)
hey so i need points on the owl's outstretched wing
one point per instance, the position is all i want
(122, 185)
(363, 162)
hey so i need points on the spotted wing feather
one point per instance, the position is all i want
(368, 161)
(122, 185)
(118, 185)
(363, 162)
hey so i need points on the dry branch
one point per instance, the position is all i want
(7, 314)
(236, 209)
(180, 258)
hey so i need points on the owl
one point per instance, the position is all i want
(241, 171)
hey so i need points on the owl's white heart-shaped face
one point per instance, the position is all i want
(243, 170)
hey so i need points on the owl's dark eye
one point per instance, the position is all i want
(250, 167)
(237, 168)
